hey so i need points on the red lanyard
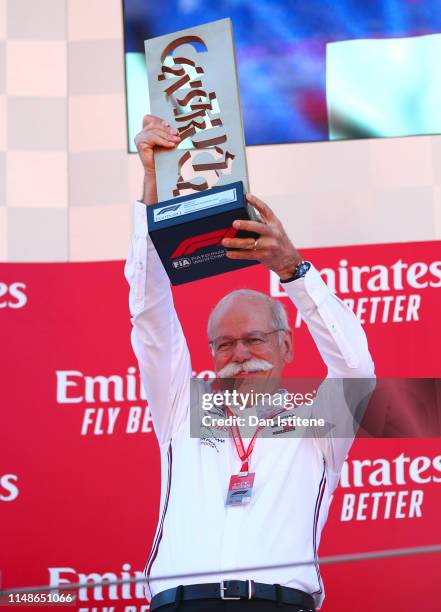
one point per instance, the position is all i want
(244, 455)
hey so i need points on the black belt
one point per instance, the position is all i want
(234, 589)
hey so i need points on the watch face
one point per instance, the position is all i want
(299, 272)
(302, 269)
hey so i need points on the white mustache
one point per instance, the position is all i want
(252, 365)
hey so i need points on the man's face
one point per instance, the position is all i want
(261, 354)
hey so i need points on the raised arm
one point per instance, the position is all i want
(342, 398)
(157, 338)
(336, 331)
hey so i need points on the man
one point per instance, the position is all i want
(293, 478)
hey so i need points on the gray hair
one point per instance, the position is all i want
(279, 318)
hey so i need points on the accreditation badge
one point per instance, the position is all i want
(240, 489)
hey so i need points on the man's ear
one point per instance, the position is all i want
(288, 345)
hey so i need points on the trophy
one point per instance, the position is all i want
(192, 80)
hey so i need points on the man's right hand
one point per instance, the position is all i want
(155, 133)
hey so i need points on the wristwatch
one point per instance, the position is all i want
(300, 271)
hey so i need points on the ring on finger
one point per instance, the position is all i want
(256, 240)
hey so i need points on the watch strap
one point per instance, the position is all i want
(299, 272)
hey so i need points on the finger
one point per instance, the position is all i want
(152, 120)
(167, 127)
(165, 134)
(253, 226)
(250, 254)
(239, 243)
(156, 137)
(154, 140)
(263, 208)
(263, 243)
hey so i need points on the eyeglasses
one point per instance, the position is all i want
(223, 345)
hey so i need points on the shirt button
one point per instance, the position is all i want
(140, 265)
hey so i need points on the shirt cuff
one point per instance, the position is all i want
(308, 292)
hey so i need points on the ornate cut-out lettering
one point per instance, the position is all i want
(213, 163)
(178, 42)
(220, 164)
(197, 115)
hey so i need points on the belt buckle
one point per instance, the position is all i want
(223, 588)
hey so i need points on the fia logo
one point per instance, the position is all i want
(184, 262)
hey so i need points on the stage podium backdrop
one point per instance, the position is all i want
(79, 481)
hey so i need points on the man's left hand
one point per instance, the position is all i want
(273, 248)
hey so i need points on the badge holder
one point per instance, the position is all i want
(240, 488)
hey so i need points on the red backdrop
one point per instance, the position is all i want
(79, 473)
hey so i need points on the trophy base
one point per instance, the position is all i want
(187, 232)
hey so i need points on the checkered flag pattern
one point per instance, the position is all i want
(66, 179)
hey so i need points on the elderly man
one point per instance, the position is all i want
(288, 483)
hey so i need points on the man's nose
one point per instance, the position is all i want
(241, 352)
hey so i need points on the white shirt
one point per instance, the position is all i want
(294, 478)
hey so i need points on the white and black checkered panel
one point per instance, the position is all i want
(63, 154)
(99, 195)
(67, 182)
(35, 223)
(3, 138)
(352, 192)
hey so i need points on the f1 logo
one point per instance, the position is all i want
(194, 243)
(182, 263)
